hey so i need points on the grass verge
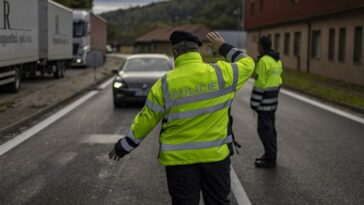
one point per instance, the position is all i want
(338, 92)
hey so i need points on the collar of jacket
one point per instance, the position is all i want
(190, 57)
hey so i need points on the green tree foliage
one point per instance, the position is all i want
(113, 32)
(64, 2)
(77, 4)
(216, 14)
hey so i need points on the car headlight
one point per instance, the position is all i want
(118, 84)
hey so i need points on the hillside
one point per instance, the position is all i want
(134, 22)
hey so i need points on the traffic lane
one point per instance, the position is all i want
(67, 163)
(319, 155)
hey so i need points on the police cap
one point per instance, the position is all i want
(265, 42)
(180, 36)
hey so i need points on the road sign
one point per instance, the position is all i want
(94, 59)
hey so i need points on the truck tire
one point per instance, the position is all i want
(15, 86)
(63, 70)
(58, 71)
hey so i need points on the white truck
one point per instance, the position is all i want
(35, 37)
(89, 36)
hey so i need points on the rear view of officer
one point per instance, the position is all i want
(264, 100)
(193, 102)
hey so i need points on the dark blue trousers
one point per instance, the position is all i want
(186, 182)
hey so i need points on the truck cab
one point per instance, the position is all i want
(89, 34)
(81, 37)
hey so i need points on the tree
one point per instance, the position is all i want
(82, 4)
(66, 3)
(112, 32)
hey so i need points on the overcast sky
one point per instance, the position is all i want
(109, 5)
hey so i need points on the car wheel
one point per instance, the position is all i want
(118, 103)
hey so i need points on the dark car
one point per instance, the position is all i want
(137, 75)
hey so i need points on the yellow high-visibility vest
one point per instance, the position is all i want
(193, 102)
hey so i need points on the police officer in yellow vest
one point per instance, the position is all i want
(193, 102)
(264, 100)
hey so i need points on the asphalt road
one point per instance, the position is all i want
(320, 159)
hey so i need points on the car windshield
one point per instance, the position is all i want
(147, 64)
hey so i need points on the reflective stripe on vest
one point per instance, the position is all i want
(230, 54)
(220, 78)
(153, 106)
(167, 97)
(214, 94)
(194, 113)
(191, 99)
(269, 101)
(261, 102)
(124, 144)
(197, 145)
(257, 97)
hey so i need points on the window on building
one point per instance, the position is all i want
(269, 36)
(331, 51)
(342, 38)
(297, 44)
(316, 44)
(255, 38)
(287, 38)
(277, 41)
(261, 6)
(358, 44)
(252, 7)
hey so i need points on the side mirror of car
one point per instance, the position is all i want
(115, 71)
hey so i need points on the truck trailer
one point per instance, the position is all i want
(89, 35)
(35, 38)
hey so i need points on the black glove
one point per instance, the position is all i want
(119, 150)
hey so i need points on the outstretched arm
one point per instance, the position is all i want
(144, 122)
(244, 63)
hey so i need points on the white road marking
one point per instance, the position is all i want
(64, 158)
(28, 189)
(238, 190)
(324, 106)
(43, 124)
(321, 105)
(106, 83)
(101, 139)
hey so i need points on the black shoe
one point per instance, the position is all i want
(265, 163)
(260, 158)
